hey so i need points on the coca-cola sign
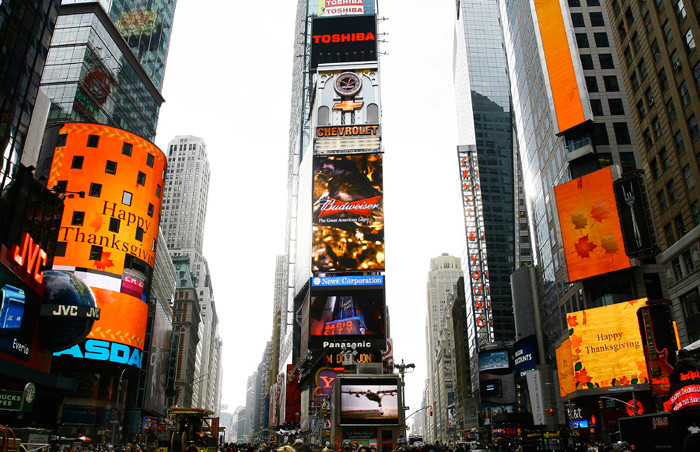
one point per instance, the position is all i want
(348, 213)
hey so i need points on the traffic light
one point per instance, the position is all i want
(431, 411)
(600, 404)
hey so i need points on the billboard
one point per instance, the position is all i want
(343, 39)
(524, 356)
(348, 214)
(113, 181)
(156, 380)
(340, 7)
(493, 360)
(565, 369)
(347, 317)
(569, 98)
(590, 227)
(369, 401)
(606, 347)
(635, 216)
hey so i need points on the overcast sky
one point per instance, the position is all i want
(228, 80)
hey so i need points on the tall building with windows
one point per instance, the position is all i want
(107, 61)
(184, 215)
(661, 74)
(445, 271)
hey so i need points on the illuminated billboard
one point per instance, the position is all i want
(478, 282)
(590, 226)
(606, 347)
(113, 183)
(569, 98)
(340, 7)
(344, 317)
(369, 401)
(493, 360)
(635, 215)
(348, 214)
(156, 380)
(137, 23)
(343, 39)
(567, 380)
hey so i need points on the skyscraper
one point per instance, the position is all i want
(184, 215)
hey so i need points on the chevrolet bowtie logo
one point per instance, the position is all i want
(347, 105)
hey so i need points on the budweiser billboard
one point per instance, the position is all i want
(348, 229)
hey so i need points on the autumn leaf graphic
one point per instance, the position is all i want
(104, 262)
(572, 321)
(582, 377)
(609, 244)
(585, 319)
(584, 247)
(624, 381)
(600, 212)
(96, 223)
(576, 342)
(579, 220)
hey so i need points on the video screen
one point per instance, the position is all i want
(368, 401)
(346, 314)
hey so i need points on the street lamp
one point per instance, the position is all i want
(404, 369)
(118, 405)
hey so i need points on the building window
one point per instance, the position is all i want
(655, 50)
(660, 5)
(141, 178)
(654, 168)
(668, 32)
(628, 56)
(649, 97)
(680, 142)
(577, 20)
(586, 61)
(150, 209)
(62, 138)
(582, 40)
(648, 23)
(672, 193)
(611, 84)
(695, 208)
(688, 176)
(597, 19)
(158, 190)
(657, 128)
(680, 226)
(93, 141)
(111, 167)
(641, 109)
(593, 2)
(663, 80)
(661, 198)
(627, 161)
(604, 159)
(693, 127)
(601, 39)
(671, 110)
(691, 303)
(690, 40)
(60, 249)
(634, 80)
(622, 134)
(574, 3)
(139, 234)
(606, 61)
(616, 107)
(95, 190)
(592, 84)
(670, 236)
(647, 138)
(688, 262)
(636, 43)
(95, 253)
(600, 135)
(683, 92)
(77, 162)
(663, 156)
(126, 198)
(680, 10)
(114, 224)
(127, 148)
(78, 218)
(597, 107)
(150, 160)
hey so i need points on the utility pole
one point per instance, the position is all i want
(404, 369)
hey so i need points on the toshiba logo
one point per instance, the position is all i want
(345, 37)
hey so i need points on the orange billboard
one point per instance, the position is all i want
(567, 381)
(113, 182)
(567, 95)
(590, 226)
(606, 346)
(122, 318)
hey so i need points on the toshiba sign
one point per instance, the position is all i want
(343, 39)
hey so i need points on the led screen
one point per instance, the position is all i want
(567, 382)
(367, 401)
(340, 7)
(346, 315)
(343, 39)
(590, 226)
(566, 93)
(606, 346)
(348, 214)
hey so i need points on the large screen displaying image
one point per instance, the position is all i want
(346, 314)
(348, 216)
(369, 401)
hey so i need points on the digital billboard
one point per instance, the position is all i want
(343, 39)
(606, 346)
(635, 216)
(156, 380)
(590, 226)
(340, 7)
(369, 401)
(113, 183)
(524, 356)
(567, 96)
(347, 317)
(493, 360)
(348, 214)
(565, 369)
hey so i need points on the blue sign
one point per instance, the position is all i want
(579, 424)
(105, 351)
(340, 281)
(523, 357)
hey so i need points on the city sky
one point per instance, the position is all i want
(228, 81)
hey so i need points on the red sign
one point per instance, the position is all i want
(684, 397)
(30, 257)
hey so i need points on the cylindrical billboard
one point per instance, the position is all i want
(112, 181)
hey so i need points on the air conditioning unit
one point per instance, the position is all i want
(650, 101)
(677, 65)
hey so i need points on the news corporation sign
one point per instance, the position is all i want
(345, 281)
